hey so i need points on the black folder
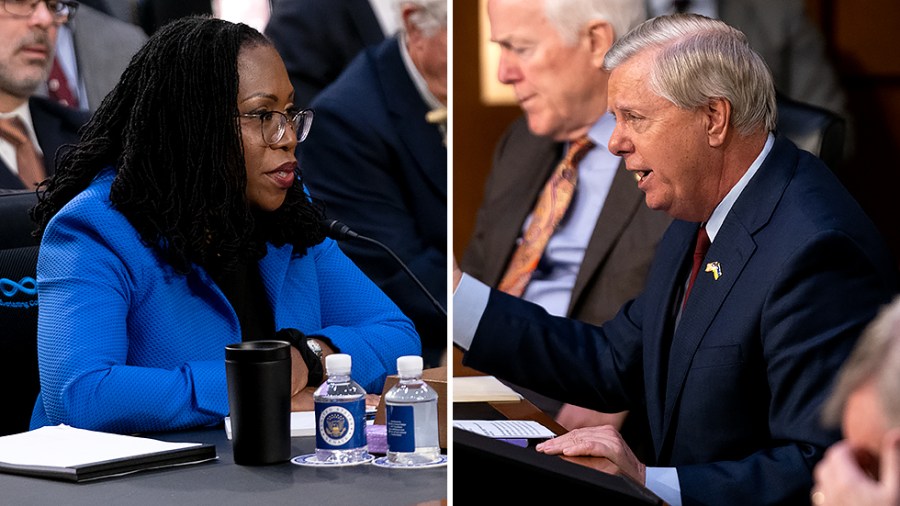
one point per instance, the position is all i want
(117, 467)
(520, 475)
(77, 455)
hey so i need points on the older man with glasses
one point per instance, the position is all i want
(32, 128)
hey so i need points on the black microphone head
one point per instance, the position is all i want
(336, 230)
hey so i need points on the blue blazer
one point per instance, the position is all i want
(54, 126)
(127, 345)
(735, 408)
(382, 169)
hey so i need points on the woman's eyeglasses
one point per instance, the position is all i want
(274, 123)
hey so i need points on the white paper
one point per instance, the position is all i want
(482, 389)
(303, 423)
(505, 428)
(64, 446)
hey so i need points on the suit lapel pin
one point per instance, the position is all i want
(714, 268)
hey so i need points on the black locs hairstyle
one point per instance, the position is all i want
(170, 129)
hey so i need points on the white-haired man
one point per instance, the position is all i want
(757, 293)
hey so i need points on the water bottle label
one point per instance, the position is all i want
(401, 429)
(341, 426)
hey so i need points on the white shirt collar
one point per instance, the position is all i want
(721, 211)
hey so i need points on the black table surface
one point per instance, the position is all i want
(222, 482)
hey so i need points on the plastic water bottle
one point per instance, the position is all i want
(340, 414)
(412, 416)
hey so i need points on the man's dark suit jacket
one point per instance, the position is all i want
(317, 39)
(54, 125)
(382, 169)
(736, 406)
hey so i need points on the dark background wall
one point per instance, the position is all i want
(862, 41)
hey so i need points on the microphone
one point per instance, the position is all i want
(340, 232)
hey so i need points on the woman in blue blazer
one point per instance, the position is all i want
(178, 225)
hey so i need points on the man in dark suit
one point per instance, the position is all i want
(29, 37)
(318, 38)
(381, 167)
(734, 365)
(599, 255)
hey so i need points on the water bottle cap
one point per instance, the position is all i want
(409, 365)
(338, 363)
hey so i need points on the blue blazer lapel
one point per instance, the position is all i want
(273, 269)
(407, 111)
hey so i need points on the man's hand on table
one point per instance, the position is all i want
(603, 441)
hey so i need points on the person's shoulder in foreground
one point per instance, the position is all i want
(864, 468)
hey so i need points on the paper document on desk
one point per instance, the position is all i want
(503, 429)
(482, 389)
(303, 423)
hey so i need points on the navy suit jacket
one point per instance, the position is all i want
(736, 406)
(317, 39)
(54, 125)
(382, 169)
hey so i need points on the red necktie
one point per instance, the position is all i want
(58, 86)
(700, 250)
(549, 210)
(30, 165)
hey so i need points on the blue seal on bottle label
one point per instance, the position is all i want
(401, 428)
(341, 426)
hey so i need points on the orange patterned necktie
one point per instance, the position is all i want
(549, 210)
(30, 165)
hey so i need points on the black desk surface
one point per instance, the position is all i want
(224, 483)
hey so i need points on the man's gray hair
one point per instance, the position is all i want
(430, 17)
(700, 59)
(570, 16)
(876, 357)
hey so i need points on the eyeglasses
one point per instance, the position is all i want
(62, 11)
(273, 124)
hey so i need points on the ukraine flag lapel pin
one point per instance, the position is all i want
(714, 268)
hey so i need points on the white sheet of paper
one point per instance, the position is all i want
(505, 428)
(64, 446)
(303, 423)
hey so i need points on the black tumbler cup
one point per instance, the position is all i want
(259, 396)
